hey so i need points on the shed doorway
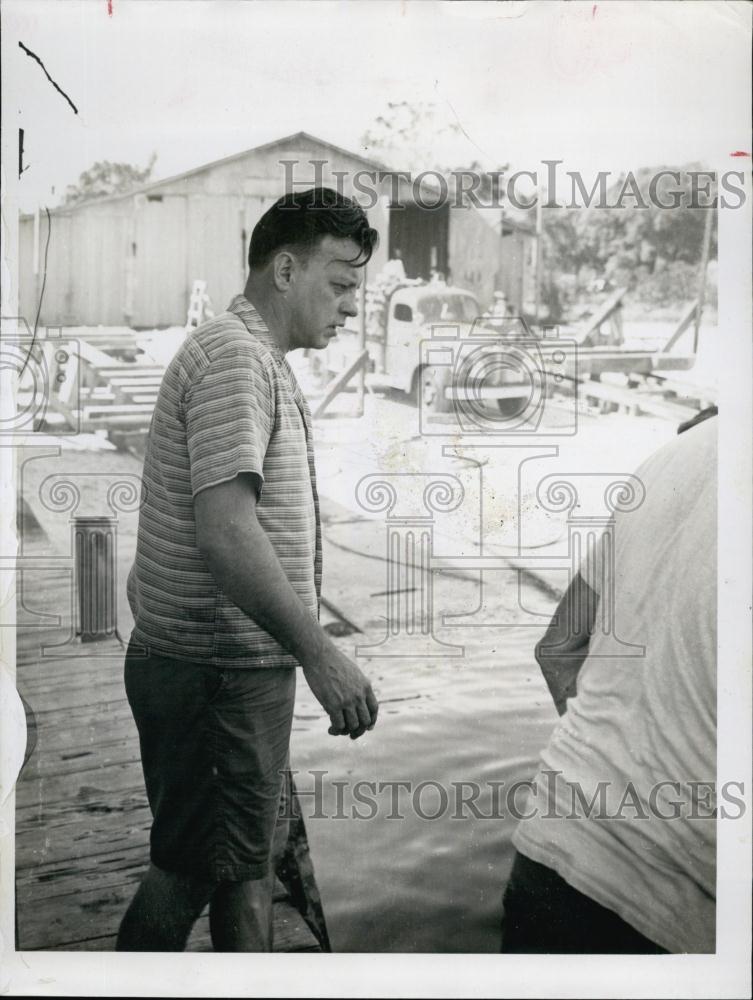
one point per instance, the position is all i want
(419, 237)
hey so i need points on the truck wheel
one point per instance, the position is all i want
(512, 407)
(431, 383)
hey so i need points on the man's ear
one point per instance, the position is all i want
(283, 268)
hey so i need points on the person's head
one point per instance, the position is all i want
(305, 260)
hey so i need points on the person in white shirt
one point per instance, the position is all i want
(616, 852)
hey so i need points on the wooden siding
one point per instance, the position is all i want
(475, 247)
(515, 273)
(84, 268)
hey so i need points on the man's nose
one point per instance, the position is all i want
(349, 307)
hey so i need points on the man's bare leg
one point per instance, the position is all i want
(240, 915)
(163, 911)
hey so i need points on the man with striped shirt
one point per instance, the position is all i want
(226, 583)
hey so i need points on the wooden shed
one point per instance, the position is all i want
(131, 259)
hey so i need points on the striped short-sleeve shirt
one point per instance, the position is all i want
(229, 403)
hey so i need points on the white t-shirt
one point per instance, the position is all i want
(644, 726)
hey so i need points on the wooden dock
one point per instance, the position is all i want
(82, 818)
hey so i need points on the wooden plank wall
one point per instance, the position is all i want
(195, 231)
(474, 252)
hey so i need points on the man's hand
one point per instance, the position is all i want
(344, 693)
(245, 565)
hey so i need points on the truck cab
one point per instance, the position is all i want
(412, 313)
(399, 324)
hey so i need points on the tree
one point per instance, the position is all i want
(413, 136)
(104, 178)
(419, 136)
(654, 251)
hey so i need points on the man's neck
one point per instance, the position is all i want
(270, 309)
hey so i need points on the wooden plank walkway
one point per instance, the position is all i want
(82, 818)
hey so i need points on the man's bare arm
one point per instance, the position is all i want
(245, 565)
(564, 646)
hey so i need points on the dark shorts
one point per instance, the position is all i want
(214, 749)
(544, 914)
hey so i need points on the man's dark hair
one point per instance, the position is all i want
(300, 219)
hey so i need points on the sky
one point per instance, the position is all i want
(603, 86)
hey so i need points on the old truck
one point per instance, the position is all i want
(434, 342)
(429, 340)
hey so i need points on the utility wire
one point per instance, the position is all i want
(41, 295)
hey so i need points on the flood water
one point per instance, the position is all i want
(403, 881)
(396, 880)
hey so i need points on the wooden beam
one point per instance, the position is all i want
(702, 269)
(603, 313)
(685, 320)
(338, 384)
(635, 400)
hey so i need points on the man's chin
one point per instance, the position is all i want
(319, 344)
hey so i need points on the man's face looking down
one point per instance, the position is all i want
(322, 291)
